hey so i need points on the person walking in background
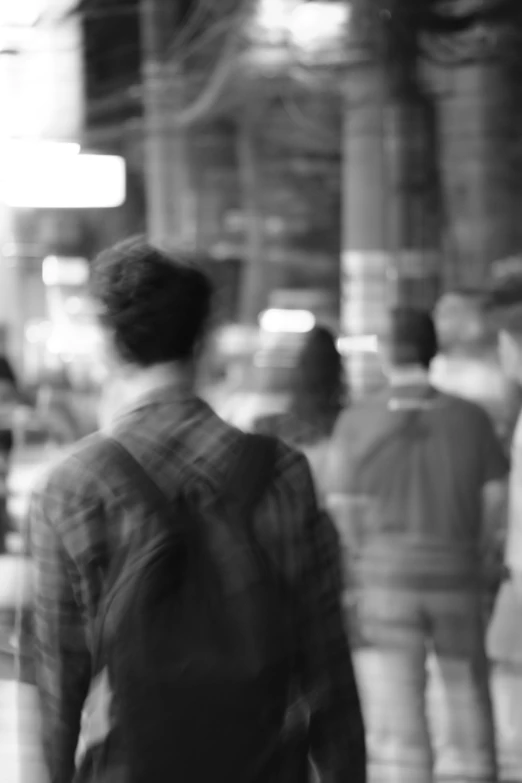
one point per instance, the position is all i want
(317, 397)
(467, 364)
(9, 398)
(505, 631)
(186, 581)
(414, 481)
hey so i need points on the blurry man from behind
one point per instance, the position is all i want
(412, 480)
(468, 366)
(186, 581)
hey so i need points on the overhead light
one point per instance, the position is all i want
(291, 321)
(68, 181)
(37, 148)
(313, 23)
(272, 16)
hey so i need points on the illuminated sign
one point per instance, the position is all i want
(293, 321)
(63, 181)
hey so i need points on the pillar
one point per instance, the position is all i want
(479, 133)
(171, 204)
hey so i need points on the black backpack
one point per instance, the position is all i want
(194, 632)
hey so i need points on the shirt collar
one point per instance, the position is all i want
(410, 389)
(413, 375)
(126, 396)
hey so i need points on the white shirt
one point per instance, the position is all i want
(514, 537)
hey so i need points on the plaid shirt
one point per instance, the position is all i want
(76, 521)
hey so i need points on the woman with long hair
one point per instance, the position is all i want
(317, 396)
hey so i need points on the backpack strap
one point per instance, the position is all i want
(135, 471)
(119, 468)
(246, 481)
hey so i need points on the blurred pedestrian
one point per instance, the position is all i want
(317, 397)
(505, 632)
(468, 366)
(186, 582)
(467, 363)
(9, 398)
(415, 478)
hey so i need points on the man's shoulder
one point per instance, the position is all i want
(75, 467)
(464, 407)
(226, 441)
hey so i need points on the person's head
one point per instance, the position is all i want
(510, 344)
(153, 307)
(318, 378)
(411, 341)
(459, 317)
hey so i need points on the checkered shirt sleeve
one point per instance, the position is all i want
(63, 662)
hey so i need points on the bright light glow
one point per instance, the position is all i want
(293, 321)
(273, 15)
(234, 340)
(20, 12)
(38, 332)
(64, 181)
(360, 343)
(64, 271)
(29, 148)
(73, 340)
(74, 305)
(306, 24)
(311, 23)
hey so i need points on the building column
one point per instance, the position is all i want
(171, 205)
(391, 210)
(364, 260)
(480, 173)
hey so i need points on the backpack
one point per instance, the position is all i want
(194, 635)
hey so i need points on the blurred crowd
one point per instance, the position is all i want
(422, 480)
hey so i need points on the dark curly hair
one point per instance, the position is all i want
(156, 305)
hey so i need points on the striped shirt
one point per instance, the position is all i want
(74, 517)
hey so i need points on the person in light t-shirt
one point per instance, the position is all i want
(510, 349)
(505, 631)
(468, 365)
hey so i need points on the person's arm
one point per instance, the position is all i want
(62, 658)
(347, 506)
(513, 547)
(495, 469)
(325, 665)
